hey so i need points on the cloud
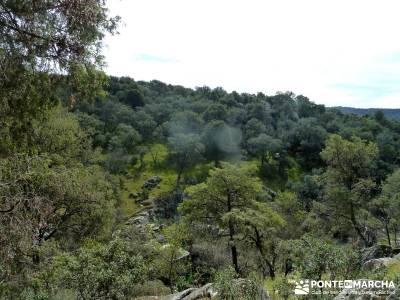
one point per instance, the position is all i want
(335, 52)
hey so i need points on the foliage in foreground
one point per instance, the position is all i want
(275, 186)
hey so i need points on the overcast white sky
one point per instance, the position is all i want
(337, 52)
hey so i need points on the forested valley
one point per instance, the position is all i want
(112, 188)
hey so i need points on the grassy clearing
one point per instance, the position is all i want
(155, 162)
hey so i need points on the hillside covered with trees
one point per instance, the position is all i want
(112, 188)
(390, 113)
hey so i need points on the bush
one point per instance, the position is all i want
(230, 288)
(95, 271)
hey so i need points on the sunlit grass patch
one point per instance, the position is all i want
(155, 161)
(393, 270)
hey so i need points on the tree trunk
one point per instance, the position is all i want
(232, 235)
(271, 270)
(181, 164)
(171, 262)
(142, 162)
(35, 258)
(259, 246)
(388, 234)
(178, 178)
(217, 163)
(233, 247)
(288, 266)
(356, 227)
(235, 258)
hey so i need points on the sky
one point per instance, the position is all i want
(335, 52)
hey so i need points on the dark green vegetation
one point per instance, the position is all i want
(390, 113)
(113, 189)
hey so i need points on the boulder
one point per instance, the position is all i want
(270, 192)
(180, 295)
(395, 295)
(141, 219)
(374, 264)
(377, 251)
(208, 292)
(148, 203)
(204, 292)
(397, 256)
(152, 182)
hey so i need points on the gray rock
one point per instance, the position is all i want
(271, 192)
(208, 292)
(152, 182)
(205, 292)
(154, 228)
(374, 264)
(395, 295)
(142, 218)
(179, 296)
(397, 256)
(377, 251)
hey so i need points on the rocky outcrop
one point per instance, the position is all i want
(205, 292)
(395, 295)
(152, 182)
(374, 264)
(208, 291)
(140, 219)
(377, 251)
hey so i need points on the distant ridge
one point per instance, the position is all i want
(390, 113)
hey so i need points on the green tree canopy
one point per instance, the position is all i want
(227, 191)
(39, 40)
(387, 205)
(185, 151)
(349, 186)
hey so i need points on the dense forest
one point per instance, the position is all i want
(112, 188)
(390, 113)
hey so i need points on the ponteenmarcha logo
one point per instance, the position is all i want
(306, 286)
(302, 287)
